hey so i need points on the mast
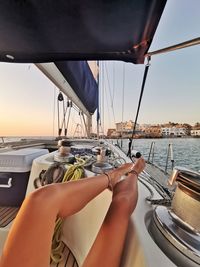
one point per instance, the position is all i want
(89, 125)
(98, 116)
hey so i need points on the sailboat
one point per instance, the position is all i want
(59, 37)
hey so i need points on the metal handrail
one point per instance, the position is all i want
(151, 151)
(169, 153)
(189, 43)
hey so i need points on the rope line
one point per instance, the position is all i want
(138, 108)
(123, 86)
(54, 108)
(113, 93)
(103, 98)
(64, 118)
(109, 89)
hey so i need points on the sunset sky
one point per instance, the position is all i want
(172, 92)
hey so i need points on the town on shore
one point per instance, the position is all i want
(170, 129)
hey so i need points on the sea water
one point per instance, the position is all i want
(186, 151)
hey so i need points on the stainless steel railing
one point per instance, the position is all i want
(170, 155)
(151, 153)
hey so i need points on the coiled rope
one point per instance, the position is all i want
(166, 194)
(73, 173)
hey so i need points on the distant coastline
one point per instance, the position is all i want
(153, 137)
(129, 128)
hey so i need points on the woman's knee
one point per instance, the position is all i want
(124, 203)
(125, 195)
(42, 197)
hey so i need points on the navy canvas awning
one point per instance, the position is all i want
(35, 31)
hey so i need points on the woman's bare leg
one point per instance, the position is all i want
(29, 241)
(108, 246)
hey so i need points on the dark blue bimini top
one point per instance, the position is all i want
(35, 31)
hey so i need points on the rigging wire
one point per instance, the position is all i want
(81, 123)
(75, 107)
(98, 112)
(60, 124)
(54, 108)
(64, 119)
(123, 86)
(86, 128)
(73, 122)
(113, 81)
(139, 103)
(109, 89)
(102, 130)
(78, 130)
(69, 104)
(59, 99)
(109, 117)
(102, 93)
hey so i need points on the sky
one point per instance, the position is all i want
(172, 91)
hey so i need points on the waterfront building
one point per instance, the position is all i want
(173, 131)
(111, 132)
(195, 131)
(144, 126)
(126, 127)
(153, 131)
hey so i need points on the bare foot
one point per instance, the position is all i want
(139, 165)
(116, 174)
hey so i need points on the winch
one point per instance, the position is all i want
(102, 165)
(64, 154)
(186, 200)
(179, 225)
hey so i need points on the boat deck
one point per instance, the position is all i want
(68, 259)
(7, 214)
(158, 174)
